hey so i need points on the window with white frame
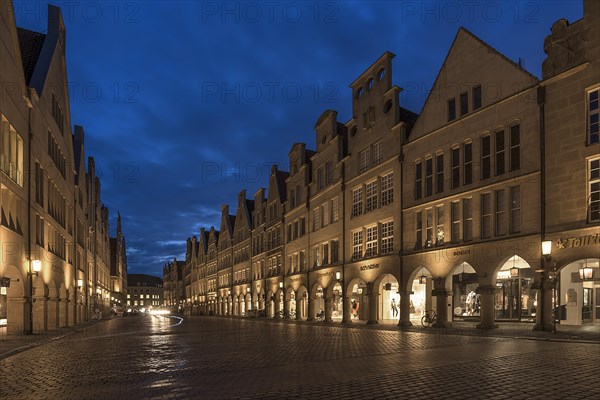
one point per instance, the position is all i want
(335, 249)
(316, 256)
(439, 240)
(371, 241)
(419, 230)
(486, 157)
(515, 147)
(467, 219)
(387, 237)
(455, 219)
(377, 153)
(429, 227)
(357, 244)
(500, 212)
(334, 210)
(387, 189)
(594, 190)
(371, 196)
(357, 202)
(593, 123)
(428, 177)
(325, 214)
(418, 180)
(455, 177)
(515, 209)
(499, 147)
(329, 172)
(486, 215)
(11, 157)
(439, 173)
(468, 163)
(363, 158)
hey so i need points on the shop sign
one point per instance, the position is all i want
(369, 266)
(324, 274)
(580, 241)
(462, 252)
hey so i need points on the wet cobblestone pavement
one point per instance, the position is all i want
(218, 358)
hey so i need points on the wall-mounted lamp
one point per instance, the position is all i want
(338, 276)
(247, 290)
(547, 248)
(586, 273)
(280, 285)
(79, 283)
(36, 266)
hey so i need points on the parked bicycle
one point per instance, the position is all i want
(429, 318)
(320, 316)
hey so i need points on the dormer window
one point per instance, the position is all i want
(451, 109)
(370, 84)
(381, 74)
(359, 92)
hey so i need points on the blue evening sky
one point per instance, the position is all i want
(184, 103)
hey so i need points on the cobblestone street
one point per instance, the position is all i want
(213, 358)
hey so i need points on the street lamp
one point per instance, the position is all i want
(547, 249)
(338, 276)
(36, 266)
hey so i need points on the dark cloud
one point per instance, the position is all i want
(185, 103)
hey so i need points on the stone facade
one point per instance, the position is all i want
(52, 217)
(395, 213)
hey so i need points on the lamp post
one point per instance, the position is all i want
(35, 266)
(546, 257)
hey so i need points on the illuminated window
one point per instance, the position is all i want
(429, 227)
(440, 226)
(11, 157)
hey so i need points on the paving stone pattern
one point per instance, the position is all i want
(218, 358)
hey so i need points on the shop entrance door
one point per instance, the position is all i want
(586, 310)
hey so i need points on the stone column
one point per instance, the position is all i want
(17, 315)
(328, 308)
(487, 300)
(312, 309)
(63, 312)
(40, 314)
(543, 317)
(347, 312)
(405, 309)
(442, 297)
(53, 321)
(373, 298)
